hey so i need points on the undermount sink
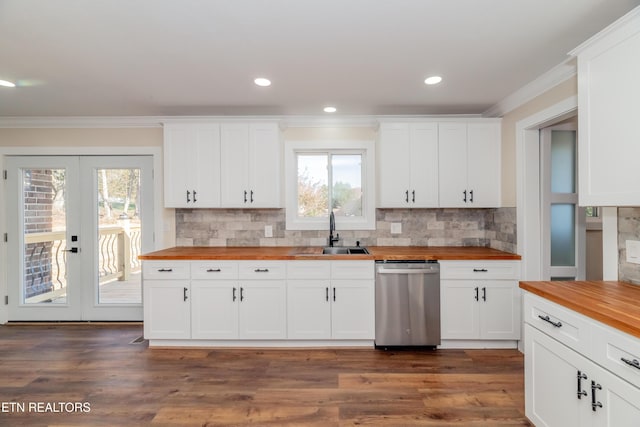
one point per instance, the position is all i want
(343, 250)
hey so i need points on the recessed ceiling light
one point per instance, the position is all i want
(330, 109)
(7, 84)
(433, 80)
(261, 81)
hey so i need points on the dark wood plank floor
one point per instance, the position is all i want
(131, 384)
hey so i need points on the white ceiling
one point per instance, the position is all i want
(366, 57)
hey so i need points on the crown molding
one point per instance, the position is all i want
(558, 74)
(285, 122)
(621, 28)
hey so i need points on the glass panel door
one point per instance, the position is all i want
(43, 266)
(80, 223)
(118, 224)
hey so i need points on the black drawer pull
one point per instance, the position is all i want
(548, 320)
(480, 270)
(213, 270)
(634, 363)
(165, 270)
(261, 270)
(184, 294)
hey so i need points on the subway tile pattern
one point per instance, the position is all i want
(494, 228)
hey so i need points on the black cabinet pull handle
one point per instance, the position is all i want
(484, 294)
(413, 196)
(213, 270)
(251, 196)
(194, 196)
(406, 196)
(245, 196)
(477, 296)
(471, 196)
(595, 404)
(581, 392)
(465, 196)
(634, 363)
(326, 293)
(548, 320)
(165, 270)
(480, 270)
(334, 294)
(261, 270)
(188, 194)
(241, 294)
(234, 294)
(184, 294)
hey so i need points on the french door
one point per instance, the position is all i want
(76, 226)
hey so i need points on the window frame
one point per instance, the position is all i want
(336, 147)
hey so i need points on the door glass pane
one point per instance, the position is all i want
(563, 235)
(45, 227)
(313, 195)
(563, 161)
(347, 184)
(119, 239)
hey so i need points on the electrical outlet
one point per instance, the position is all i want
(633, 251)
(268, 231)
(396, 228)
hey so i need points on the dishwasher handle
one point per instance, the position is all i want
(407, 271)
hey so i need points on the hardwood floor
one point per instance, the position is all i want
(68, 366)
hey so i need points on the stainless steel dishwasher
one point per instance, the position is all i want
(407, 303)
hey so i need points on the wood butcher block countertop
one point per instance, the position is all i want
(315, 252)
(616, 304)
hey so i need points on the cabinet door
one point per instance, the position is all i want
(234, 180)
(483, 165)
(214, 309)
(263, 309)
(308, 309)
(459, 309)
(352, 309)
(264, 166)
(192, 165)
(394, 173)
(620, 402)
(423, 192)
(499, 310)
(167, 313)
(452, 164)
(551, 383)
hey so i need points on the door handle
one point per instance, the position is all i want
(326, 293)
(477, 296)
(594, 403)
(581, 392)
(413, 196)
(251, 196)
(72, 250)
(406, 194)
(465, 196)
(234, 294)
(470, 196)
(188, 194)
(194, 196)
(484, 294)
(334, 294)
(241, 294)
(184, 295)
(245, 196)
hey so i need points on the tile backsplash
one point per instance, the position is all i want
(494, 228)
(628, 229)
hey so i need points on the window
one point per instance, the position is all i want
(330, 177)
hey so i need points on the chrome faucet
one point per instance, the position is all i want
(332, 228)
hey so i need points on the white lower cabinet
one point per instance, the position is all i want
(338, 303)
(258, 301)
(566, 388)
(480, 300)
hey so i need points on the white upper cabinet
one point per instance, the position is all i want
(469, 164)
(408, 165)
(191, 165)
(609, 135)
(250, 165)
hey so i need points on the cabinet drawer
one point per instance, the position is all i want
(214, 270)
(159, 270)
(480, 270)
(566, 326)
(309, 270)
(258, 270)
(352, 270)
(611, 346)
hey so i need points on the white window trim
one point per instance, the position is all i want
(368, 219)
